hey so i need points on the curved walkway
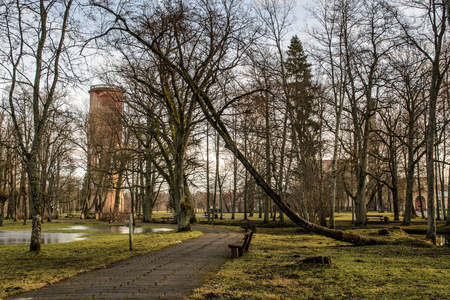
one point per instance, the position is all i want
(171, 273)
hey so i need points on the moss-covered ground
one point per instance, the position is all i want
(273, 267)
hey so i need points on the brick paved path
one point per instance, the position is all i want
(171, 273)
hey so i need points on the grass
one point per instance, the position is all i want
(23, 271)
(273, 269)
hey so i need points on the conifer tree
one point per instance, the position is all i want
(305, 128)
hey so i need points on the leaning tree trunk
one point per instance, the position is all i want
(213, 118)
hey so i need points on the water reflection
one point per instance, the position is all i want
(24, 237)
(126, 229)
(121, 229)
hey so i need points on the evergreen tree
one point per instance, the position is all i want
(304, 118)
(301, 97)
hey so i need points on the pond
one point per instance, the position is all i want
(120, 229)
(24, 237)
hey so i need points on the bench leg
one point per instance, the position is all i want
(234, 252)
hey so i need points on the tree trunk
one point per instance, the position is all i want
(395, 190)
(430, 131)
(36, 204)
(58, 184)
(182, 206)
(409, 193)
(436, 171)
(441, 180)
(246, 181)
(220, 196)
(2, 211)
(233, 206)
(245, 194)
(147, 202)
(215, 121)
(216, 179)
(25, 201)
(360, 200)
(419, 187)
(187, 192)
(379, 197)
(208, 197)
(333, 175)
(118, 186)
(267, 150)
(448, 198)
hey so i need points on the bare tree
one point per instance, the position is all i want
(408, 84)
(428, 34)
(196, 38)
(31, 36)
(329, 53)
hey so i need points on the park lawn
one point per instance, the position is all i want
(272, 269)
(21, 270)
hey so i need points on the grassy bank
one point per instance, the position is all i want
(273, 269)
(22, 271)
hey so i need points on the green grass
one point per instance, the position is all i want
(21, 270)
(272, 269)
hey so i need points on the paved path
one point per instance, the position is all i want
(171, 273)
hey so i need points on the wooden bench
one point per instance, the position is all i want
(251, 225)
(90, 215)
(239, 248)
(381, 217)
(216, 215)
(166, 218)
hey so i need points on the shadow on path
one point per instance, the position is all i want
(171, 273)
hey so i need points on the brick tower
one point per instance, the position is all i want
(105, 138)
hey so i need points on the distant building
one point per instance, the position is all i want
(105, 136)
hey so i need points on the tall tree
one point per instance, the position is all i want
(408, 85)
(329, 54)
(31, 36)
(428, 34)
(196, 37)
(303, 117)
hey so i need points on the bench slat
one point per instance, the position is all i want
(238, 248)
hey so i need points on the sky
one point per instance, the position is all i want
(81, 95)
